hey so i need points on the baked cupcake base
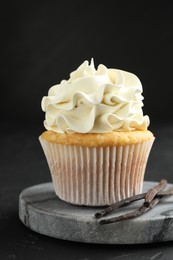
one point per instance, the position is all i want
(93, 174)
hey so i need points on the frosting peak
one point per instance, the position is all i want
(95, 101)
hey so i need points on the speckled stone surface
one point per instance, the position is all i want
(42, 211)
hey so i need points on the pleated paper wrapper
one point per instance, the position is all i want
(96, 176)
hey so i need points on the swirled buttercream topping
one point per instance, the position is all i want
(95, 101)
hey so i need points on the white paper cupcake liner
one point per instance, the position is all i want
(96, 176)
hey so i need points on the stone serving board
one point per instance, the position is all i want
(42, 211)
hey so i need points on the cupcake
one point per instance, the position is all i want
(97, 141)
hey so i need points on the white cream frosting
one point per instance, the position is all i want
(95, 101)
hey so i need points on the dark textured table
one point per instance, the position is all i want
(23, 164)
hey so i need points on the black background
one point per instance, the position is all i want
(41, 43)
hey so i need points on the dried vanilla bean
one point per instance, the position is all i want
(157, 190)
(151, 193)
(119, 204)
(133, 214)
(133, 198)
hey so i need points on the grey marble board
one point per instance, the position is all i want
(42, 211)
